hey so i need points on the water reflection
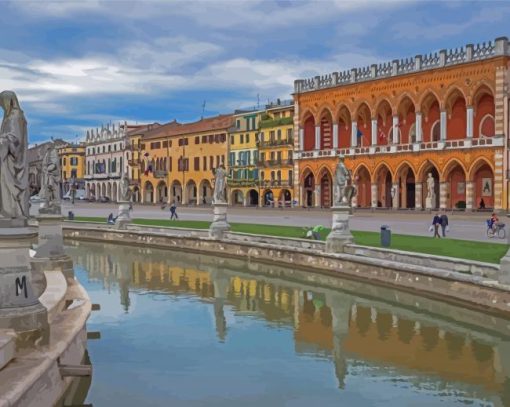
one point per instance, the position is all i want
(373, 333)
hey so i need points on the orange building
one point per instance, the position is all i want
(177, 160)
(443, 114)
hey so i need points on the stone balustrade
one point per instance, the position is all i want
(468, 53)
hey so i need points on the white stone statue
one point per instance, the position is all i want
(431, 186)
(125, 191)
(220, 183)
(50, 181)
(14, 188)
(343, 190)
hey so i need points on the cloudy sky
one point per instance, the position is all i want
(77, 64)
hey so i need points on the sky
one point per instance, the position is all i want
(76, 65)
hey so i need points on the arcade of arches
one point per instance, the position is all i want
(159, 192)
(460, 180)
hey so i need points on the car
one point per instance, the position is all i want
(104, 199)
(79, 194)
(35, 199)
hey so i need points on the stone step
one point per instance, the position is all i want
(7, 346)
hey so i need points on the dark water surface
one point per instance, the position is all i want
(180, 329)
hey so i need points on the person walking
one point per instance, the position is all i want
(173, 211)
(435, 223)
(444, 223)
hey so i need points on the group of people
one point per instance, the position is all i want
(440, 221)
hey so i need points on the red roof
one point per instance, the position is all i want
(221, 122)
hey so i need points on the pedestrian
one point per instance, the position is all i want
(316, 232)
(435, 224)
(111, 219)
(482, 204)
(173, 211)
(444, 224)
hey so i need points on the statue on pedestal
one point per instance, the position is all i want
(125, 191)
(343, 190)
(14, 190)
(430, 201)
(50, 181)
(220, 179)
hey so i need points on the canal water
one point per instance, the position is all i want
(181, 329)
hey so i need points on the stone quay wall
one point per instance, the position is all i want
(453, 280)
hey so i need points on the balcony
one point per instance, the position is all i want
(496, 141)
(276, 184)
(245, 182)
(160, 173)
(276, 143)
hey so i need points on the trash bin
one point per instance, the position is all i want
(385, 236)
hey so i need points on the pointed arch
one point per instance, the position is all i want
(344, 120)
(363, 119)
(456, 119)
(430, 108)
(483, 111)
(326, 128)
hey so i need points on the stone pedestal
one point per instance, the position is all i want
(340, 233)
(20, 308)
(219, 224)
(504, 267)
(124, 217)
(430, 202)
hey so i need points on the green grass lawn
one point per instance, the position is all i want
(464, 249)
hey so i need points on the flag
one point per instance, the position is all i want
(382, 136)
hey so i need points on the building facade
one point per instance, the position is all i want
(72, 166)
(243, 182)
(276, 145)
(177, 160)
(106, 157)
(443, 114)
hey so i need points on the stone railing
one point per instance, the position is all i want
(496, 141)
(469, 53)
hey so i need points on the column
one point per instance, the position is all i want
(300, 199)
(354, 134)
(301, 139)
(442, 125)
(335, 135)
(417, 195)
(374, 132)
(443, 194)
(199, 199)
(395, 130)
(317, 137)
(419, 132)
(395, 195)
(317, 193)
(469, 195)
(469, 124)
(374, 194)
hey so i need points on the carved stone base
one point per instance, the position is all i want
(504, 269)
(340, 233)
(124, 217)
(20, 308)
(51, 241)
(430, 203)
(219, 224)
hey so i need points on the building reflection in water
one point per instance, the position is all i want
(356, 325)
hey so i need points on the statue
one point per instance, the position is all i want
(220, 176)
(430, 186)
(343, 190)
(125, 191)
(50, 181)
(14, 188)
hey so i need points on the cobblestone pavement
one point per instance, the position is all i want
(469, 226)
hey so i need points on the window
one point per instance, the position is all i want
(64, 161)
(73, 174)
(142, 146)
(204, 162)
(196, 164)
(170, 164)
(211, 162)
(271, 135)
(210, 138)
(238, 124)
(262, 156)
(279, 156)
(253, 123)
(247, 138)
(74, 161)
(231, 159)
(197, 140)
(217, 161)
(115, 147)
(290, 178)
(65, 177)
(204, 139)
(279, 176)
(289, 134)
(165, 144)
(272, 155)
(216, 138)
(223, 159)
(279, 135)
(104, 149)
(241, 139)
(223, 138)
(232, 140)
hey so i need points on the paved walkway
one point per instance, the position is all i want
(470, 226)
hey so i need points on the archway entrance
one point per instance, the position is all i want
(326, 193)
(456, 178)
(253, 198)
(191, 192)
(483, 182)
(406, 188)
(308, 190)
(149, 193)
(384, 181)
(285, 197)
(268, 198)
(237, 197)
(205, 192)
(162, 192)
(363, 186)
(176, 192)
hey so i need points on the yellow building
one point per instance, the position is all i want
(134, 156)
(177, 160)
(72, 165)
(275, 163)
(243, 183)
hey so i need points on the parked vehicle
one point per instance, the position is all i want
(104, 199)
(35, 199)
(79, 194)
